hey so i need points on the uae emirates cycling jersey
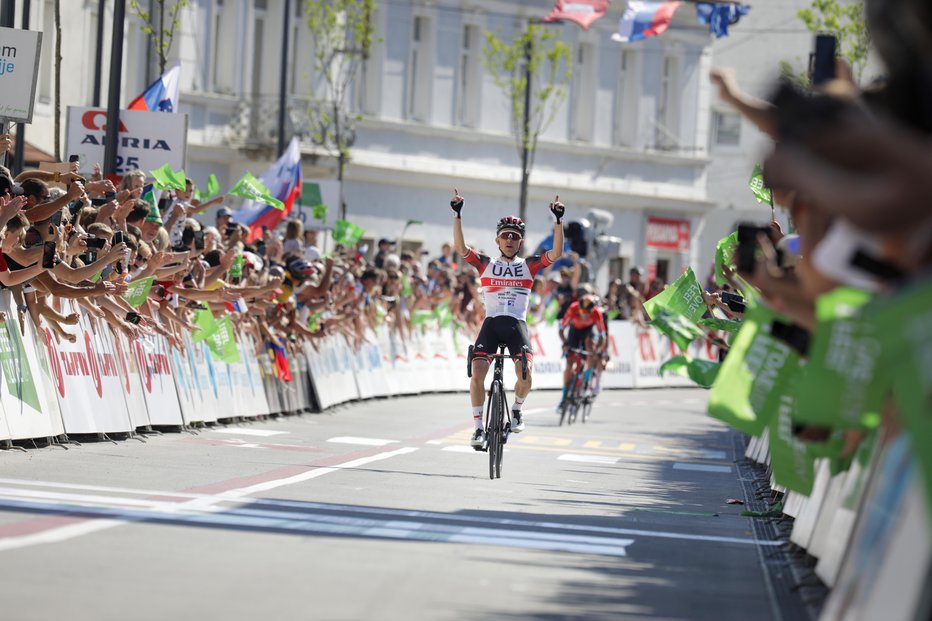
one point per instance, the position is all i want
(506, 286)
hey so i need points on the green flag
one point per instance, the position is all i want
(903, 325)
(724, 255)
(346, 233)
(444, 314)
(790, 457)
(714, 323)
(15, 365)
(310, 194)
(683, 297)
(679, 329)
(844, 382)
(222, 342)
(551, 312)
(703, 372)
(756, 183)
(213, 188)
(756, 366)
(319, 212)
(422, 316)
(138, 290)
(251, 188)
(168, 179)
(206, 324)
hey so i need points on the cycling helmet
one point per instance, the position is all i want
(511, 223)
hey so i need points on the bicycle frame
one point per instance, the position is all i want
(497, 415)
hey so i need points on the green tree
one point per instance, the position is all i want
(538, 55)
(341, 31)
(844, 19)
(161, 31)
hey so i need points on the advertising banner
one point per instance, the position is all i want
(19, 72)
(158, 382)
(146, 140)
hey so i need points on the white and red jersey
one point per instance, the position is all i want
(506, 285)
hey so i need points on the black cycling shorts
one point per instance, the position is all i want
(502, 330)
(576, 339)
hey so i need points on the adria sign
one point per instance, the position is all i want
(146, 140)
(668, 234)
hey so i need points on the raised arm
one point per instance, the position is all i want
(459, 243)
(557, 209)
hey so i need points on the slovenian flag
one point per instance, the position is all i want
(644, 19)
(162, 95)
(283, 179)
(583, 12)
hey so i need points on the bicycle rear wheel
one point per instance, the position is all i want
(494, 431)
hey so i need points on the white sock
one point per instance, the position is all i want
(516, 406)
(477, 416)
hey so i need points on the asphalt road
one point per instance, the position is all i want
(379, 510)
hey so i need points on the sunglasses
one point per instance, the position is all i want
(509, 236)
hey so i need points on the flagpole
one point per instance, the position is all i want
(283, 78)
(113, 90)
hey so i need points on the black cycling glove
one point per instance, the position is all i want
(558, 209)
(457, 204)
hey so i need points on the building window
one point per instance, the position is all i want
(726, 129)
(667, 111)
(417, 100)
(625, 100)
(582, 121)
(467, 96)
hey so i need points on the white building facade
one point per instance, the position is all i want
(632, 138)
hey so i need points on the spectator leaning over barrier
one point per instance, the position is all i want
(506, 285)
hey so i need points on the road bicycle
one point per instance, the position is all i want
(497, 413)
(579, 396)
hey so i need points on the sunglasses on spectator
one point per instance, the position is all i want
(509, 236)
(393, 276)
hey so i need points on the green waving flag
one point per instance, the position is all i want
(714, 323)
(346, 233)
(703, 372)
(222, 342)
(251, 188)
(761, 192)
(790, 457)
(206, 324)
(551, 312)
(213, 188)
(319, 212)
(844, 382)
(138, 290)
(680, 330)
(724, 255)
(756, 370)
(683, 297)
(168, 179)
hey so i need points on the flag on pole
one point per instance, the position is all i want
(168, 179)
(162, 95)
(346, 233)
(683, 297)
(213, 188)
(761, 192)
(720, 15)
(282, 184)
(703, 372)
(583, 12)
(644, 19)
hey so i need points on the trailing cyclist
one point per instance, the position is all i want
(583, 327)
(506, 286)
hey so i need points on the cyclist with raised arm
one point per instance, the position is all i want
(582, 327)
(505, 286)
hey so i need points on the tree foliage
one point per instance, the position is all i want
(161, 31)
(845, 19)
(550, 68)
(341, 32)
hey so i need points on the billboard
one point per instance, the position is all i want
(19, 70)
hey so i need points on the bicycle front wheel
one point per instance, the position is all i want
(494, 431)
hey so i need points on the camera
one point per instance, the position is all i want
(56, 218)
(133, 318)
(822, 60)
(118, 238)
(231, 229)
(746, 252)
(734, 302)
(96, 242)
(198, 240)
(791, 334)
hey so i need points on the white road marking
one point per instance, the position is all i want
(57, 535)
(363, 441)
(701, 467)
(434, 442)
(238, 431)
(707, 454)
(459, 448)
(588, 459)
(536, 410)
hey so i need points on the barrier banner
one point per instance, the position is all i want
(87, 380)
(29, 407)
(189, 393)
(130, 378)
(158, 382)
